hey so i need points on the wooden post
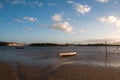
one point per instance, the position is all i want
(106, 54)
(106, 49)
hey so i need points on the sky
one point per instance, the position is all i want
(59, 21)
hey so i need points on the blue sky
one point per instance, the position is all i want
(59, 21)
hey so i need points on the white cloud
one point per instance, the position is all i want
(30, 3)
(103, 1)
(1, 5)
(18, 20)
(62, 26)
(51, 4)
(35, 4)
(110, 19)
(31, 19)
(70, 2)
(83, 31)
(82, 8)
(14, 2)
(57, 17)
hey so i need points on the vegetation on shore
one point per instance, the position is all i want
(50, 44)
(3, 43)
(55, 44)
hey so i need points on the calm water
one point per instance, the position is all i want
(49, 55)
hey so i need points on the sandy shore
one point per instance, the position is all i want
(10, 71)
(85, 72)
(64, 72)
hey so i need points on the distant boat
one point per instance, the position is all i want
(65, 54)
(19, 47)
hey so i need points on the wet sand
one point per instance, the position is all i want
(85, 72)
(64, 72)
(18, 71)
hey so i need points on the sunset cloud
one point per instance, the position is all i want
(62, 26)
(57, 17)
(31, 19)
(103, 1)
(110, 19)
(82, 8)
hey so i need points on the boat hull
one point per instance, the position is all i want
(67, 54)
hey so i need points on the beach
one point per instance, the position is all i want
(18, 71)
(63, 72)
(85, 72)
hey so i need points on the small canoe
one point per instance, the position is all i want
(65, 54)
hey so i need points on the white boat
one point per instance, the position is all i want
(67, 54)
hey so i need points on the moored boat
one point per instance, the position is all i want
(67, 54)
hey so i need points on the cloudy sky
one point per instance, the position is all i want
(59, 21)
